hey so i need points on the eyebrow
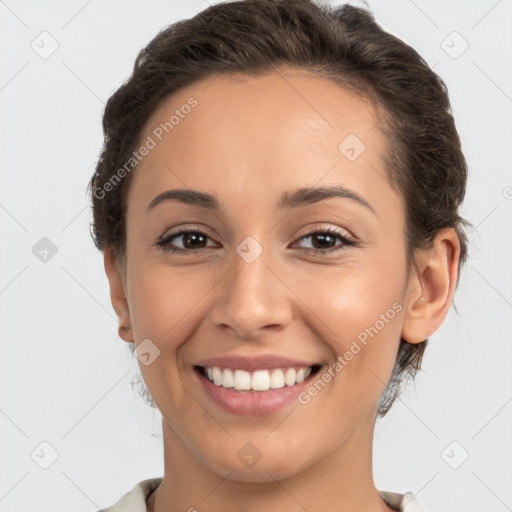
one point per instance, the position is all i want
(296, 199)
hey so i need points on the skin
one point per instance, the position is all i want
(249, 140)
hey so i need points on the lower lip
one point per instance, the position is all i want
(252, 403)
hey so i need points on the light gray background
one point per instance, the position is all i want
(66, 376)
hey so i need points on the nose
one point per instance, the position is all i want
(253, 298)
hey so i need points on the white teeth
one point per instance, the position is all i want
(242, 380)
(277, 379)
(227, 379)
(217, 376)
(290, 376)
(260, 380)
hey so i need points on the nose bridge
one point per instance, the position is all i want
(252, 297)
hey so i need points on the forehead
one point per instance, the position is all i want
(287, 101)
(245, 132)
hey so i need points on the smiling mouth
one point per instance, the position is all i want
(258, 380)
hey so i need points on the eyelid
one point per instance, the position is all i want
(328, 228)
(193, 227)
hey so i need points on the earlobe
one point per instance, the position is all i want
(117, 294)
(431, 287)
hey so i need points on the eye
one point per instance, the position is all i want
(324, 241)
(192, 240)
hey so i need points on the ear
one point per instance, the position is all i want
(117, 294)
(431, 286)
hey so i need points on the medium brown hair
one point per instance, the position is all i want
(424, 161)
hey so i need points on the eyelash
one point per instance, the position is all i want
(164, 243)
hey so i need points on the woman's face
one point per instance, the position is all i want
(275, 281)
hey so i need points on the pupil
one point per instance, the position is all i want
(193, 236)
(323, 237)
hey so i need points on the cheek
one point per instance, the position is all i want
(359, 314)
(353, 298)
(165, 302)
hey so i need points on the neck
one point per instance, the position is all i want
(340, 482)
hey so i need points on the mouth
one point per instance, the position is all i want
(257, 381)
(256, 392)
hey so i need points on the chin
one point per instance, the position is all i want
(266, 469)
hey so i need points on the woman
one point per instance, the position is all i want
(277, 203)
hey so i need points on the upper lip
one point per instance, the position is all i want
(253, 363)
